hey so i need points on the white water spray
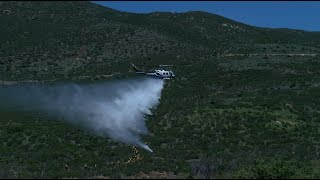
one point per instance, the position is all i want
(115, 109)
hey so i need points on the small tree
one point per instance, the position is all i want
(206, 168)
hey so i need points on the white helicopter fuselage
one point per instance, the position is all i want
(159, 73)
(162, 74)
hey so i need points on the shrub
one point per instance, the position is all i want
(274, 168)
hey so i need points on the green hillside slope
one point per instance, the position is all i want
(245, 99)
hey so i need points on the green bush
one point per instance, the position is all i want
(274, 168)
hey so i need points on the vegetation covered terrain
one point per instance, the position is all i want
(245, 102)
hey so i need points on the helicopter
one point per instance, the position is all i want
(158, 73)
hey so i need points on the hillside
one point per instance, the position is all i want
(242, 95)
(61, 42)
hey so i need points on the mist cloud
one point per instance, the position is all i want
(115, 109)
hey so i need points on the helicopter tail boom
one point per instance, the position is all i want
(137, 70)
